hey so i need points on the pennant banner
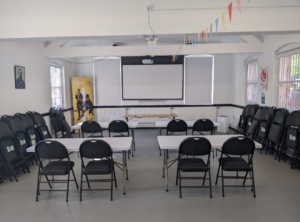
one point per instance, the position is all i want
(202, 35)
(223, 19)
(217, 22)
(230, 11)
(238, 2)
(195, 41)
(198, 37)
(206, 35)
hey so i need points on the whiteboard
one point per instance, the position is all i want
(152, 82)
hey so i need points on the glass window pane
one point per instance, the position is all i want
(55, 76)
(288, 96)
(251, 92)
(252, 75)
(56, 97)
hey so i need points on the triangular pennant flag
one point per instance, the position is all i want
(217, 22)
(202, 35)
(195, 41)
(206, 35)
(230, 11)
(238, 2)
(198, 37)
(211, 26)
(223, 19)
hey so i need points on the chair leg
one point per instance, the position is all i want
(222, 182)
(115, 176)
(253, 184)
(68, 186)
(177, 175)
(74, 178)
(218, 174)
(88, 182)
(81, 185)
(179, 184)
(245, 178)
(111, 185)
(210, 182)
(204, 178)
(38, 188)
(48, 181)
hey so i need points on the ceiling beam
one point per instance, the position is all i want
(51, 52)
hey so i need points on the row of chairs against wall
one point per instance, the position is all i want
(276, 129)
(17, 133)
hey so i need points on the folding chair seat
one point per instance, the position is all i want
(41, 126)
(92, 128)
(204, 125)
(30, 130)
(237, 146)
(197, 147)
(119, 128)
(18, 130)
(97, 149)
(53, 150)
(64, 126)
(11, 154)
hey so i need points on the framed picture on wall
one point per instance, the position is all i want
(19, 77)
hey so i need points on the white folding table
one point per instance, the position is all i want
(173, 143)
(104, 125)
(116, 143)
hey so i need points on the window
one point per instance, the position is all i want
(252, 77)
(56, 75)
(289, 82)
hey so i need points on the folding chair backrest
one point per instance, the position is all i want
(276, 129)
(292, 130)
(243, 118)
(90, 127)
(250, 115)
(65, 127)
(265, 120)
(255, 122)
(8, 143)
(55, 122)
(18, 130)
(203, 125)
(118, 126)
(177, 125)
(196, 146)
(95, 149)
(30, 129)
(51, 150)
(40, 123)
(238, 146)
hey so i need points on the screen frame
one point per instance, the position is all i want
(182, 81)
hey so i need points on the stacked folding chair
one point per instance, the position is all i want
(40, 125)
(30, 129)
(64, 126)
(55, 123)
(242, 122)
(10, 153)
(18, 130)
(289, 144)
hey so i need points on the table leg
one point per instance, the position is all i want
(158, 146)
(166, 168)
(124, 172)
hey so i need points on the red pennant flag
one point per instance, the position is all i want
(202, 34)
(206, 35)
(230, 11)
(238, 2)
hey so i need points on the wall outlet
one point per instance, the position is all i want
(148, 7)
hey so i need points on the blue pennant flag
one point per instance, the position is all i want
(217, 22)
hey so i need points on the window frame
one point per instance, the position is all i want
(280, 82)
(57, 64)
(251, 83)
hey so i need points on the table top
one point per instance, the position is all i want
(171, 115)
(104, 125)
(73, 144)
(189, 123)
(173, 142)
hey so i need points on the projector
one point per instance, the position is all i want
(147, 61)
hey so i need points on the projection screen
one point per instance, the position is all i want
(149, 82)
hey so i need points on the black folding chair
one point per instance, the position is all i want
(121, 128)
(41, 126)
(204, 125)
(92, 128)
(237, 146)
(11, 155)
(64, 125)
(195, 146)
(242, 121)
(250, 116)
(30, 129)
(97, 149)
(53, 150)
(55, 123)
(18, 130)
